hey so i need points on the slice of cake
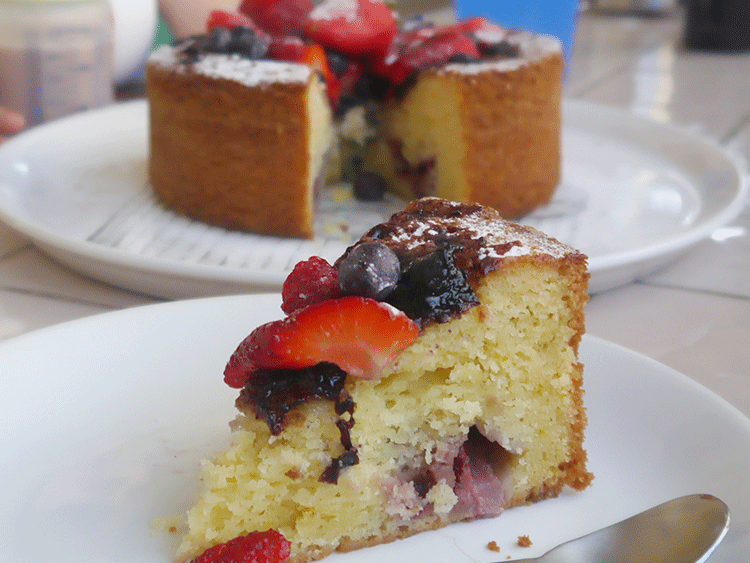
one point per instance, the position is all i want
(242, 117)
(429, 376)
(236, 142)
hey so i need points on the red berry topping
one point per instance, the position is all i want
(286, 48)
(311, 281)
(230, 20)
(239, 367)
(256, 547)
(315, 56)
(353, 27)
(429, 50)
(278, 17)
(358, 334)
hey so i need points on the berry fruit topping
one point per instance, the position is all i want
(315, 56)
(359, 335)
(433, 288)
(369, 186)
(240, 40)
(273, 393)
(229, 20)
(354, 27)
(370, 269)
(256, 547)
(311, 281)
(278, 17)
(286, 48)
(429, 48)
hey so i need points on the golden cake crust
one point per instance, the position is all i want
(231, 155)
(516, 114)
(492, 136)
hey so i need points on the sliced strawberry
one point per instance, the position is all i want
(360, 335)
(278, 17)
(315, 56)
(311, 281)
(434, 50)
(354, 27)
(256, 547)
(230, 20)
(240, 365)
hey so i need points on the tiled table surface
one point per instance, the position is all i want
(694, 315)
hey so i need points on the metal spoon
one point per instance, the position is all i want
(683, 530)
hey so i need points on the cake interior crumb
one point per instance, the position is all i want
(492, 546)
(524, 541)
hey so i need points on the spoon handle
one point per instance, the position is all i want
(683, 530)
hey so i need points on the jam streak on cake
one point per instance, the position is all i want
(274, 392)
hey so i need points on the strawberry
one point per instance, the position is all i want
(436, 49)
(286, 48)
(354, 27)
(240, 366)
(315, 56)
(311, 281)
(256, 547)
(278, 17)
(358, 334)
(230, 20)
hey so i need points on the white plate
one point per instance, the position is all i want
(634, 194)
(104, 420)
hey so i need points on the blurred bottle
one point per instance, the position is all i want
(718, 25)
(55, 56)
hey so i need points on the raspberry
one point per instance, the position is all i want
(256, 547)
(311, 281)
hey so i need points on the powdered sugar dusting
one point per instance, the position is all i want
(233, 67)
(335, 9)
(499, 238)
(532, 48)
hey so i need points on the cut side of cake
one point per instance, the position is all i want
(486, 132)
(430, 376)
(246, 122)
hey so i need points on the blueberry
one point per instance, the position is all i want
(218, 40)
(370, 269)
(503, 49)
(462, 58)
(338, 62)
(369, 186)
(433, 287)
(245, 43)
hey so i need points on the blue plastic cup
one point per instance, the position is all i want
(550, 17)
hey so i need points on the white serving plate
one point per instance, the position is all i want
(634, 194)
(105, 420)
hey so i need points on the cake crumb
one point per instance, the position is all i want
(168, 525)
(524, 541)
(492, 546)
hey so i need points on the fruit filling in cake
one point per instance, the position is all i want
(249, 119)
(428, 376)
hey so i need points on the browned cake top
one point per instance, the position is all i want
(480, 237)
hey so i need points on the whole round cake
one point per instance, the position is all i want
(250, 119)
(429, 376)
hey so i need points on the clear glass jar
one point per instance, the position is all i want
(55, 56)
